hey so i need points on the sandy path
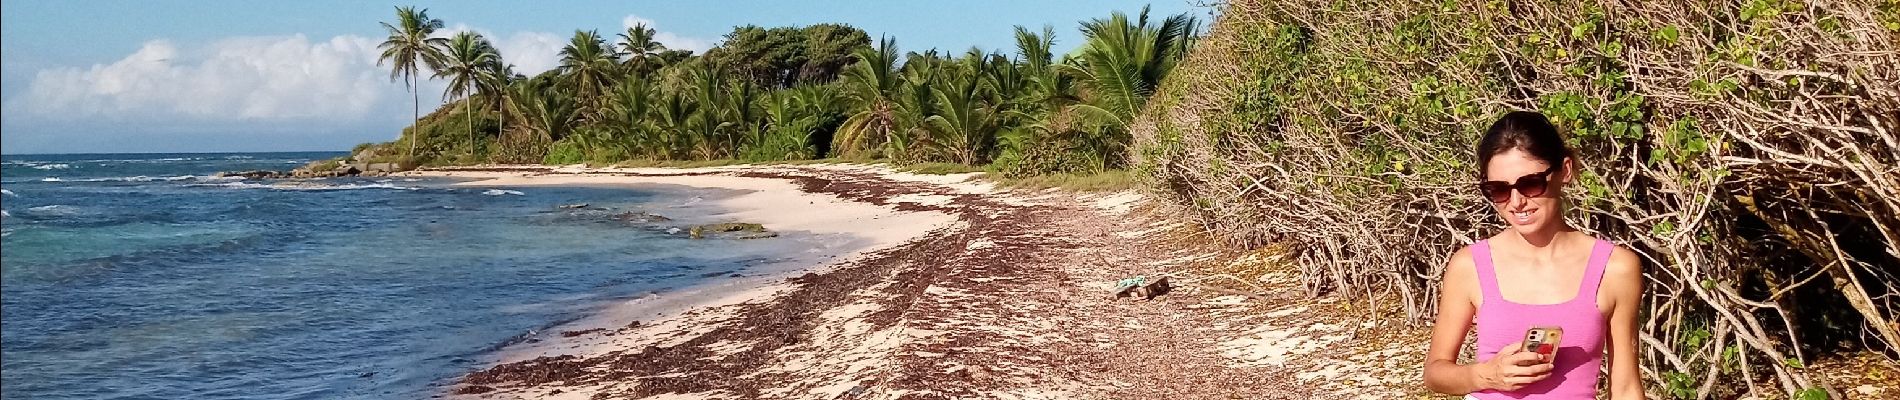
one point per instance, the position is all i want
(1009, 300)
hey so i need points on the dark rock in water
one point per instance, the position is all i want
(323, 169)
(255, 174)
(474, 389)
(640, 216)
(758, 235)
(575, 205)
(746, 230)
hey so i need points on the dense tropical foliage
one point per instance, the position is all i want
(790, 93)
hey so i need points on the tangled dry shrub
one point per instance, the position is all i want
(1748, 150)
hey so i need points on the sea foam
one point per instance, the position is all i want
(309, 186)
(502, 192)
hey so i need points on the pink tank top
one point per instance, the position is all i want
(1579, 355)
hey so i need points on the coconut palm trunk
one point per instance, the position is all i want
(415, 112)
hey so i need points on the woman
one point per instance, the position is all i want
(1539, 272)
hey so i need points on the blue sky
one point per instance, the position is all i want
(176, 76)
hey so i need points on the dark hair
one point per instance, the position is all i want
(1522, 130)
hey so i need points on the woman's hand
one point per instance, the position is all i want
(1512, 369)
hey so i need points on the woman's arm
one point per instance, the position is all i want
(1623, 283)
(1443, 374)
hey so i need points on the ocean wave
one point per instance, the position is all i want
(305, 186)
(52, 166)
(56, 209)
(8, 193)
(502, 192)
(142, 178)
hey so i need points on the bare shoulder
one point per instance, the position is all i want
(1624, 272)
(1461, 265)
(1461, 279)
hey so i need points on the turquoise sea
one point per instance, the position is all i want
(138, 276)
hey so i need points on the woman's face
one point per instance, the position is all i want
(1527, 214)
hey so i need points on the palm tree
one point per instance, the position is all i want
(587, 62)
(1051, 89)
(628, 115)
(707, 125)
(496, 78)
(824, 105)
(965, 125)
(408, 48)
(1123, 61)
(640, 48)
(871, 85)
(674, 119)
(913, 104)
(466, 56)
(545, 107)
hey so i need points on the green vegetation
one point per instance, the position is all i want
(791, 93)
(940, 168)
(1104, 181)
(1750, 166)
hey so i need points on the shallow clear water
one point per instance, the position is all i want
(136, 276)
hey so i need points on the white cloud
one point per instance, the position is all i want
(531, 52)
(260, 83)
(671, 40)
(243, 78)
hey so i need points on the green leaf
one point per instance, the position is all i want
(1663, 228)
(1668, 34)
(1811, 394)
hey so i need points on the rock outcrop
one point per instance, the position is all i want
(253, 174)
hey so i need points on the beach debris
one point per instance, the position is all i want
(855, 392)
(474, 389)
(581, 332)
(1141, 287)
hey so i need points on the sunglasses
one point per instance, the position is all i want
(1532, 185)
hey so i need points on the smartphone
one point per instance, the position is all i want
(1544, 340)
